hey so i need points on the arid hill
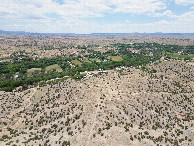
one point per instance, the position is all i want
(131, 107)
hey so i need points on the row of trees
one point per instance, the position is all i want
(8, 70)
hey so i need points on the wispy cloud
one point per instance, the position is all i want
(184, 2)
(78, 15)
(138, 6)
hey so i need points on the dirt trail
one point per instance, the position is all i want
(27, 103)
(94, 119)
(19, 122)
(12, 113)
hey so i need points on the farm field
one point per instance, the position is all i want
(76, 62)
(94, 59)
(33, 70)
(86, 60)
(53, 67)
(177, 56)
(115, 58)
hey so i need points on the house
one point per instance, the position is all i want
(19, 88)
(16, 76)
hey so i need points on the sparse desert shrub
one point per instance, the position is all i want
(66, 143)
(83, 123)
(146, 133)
(70, 133)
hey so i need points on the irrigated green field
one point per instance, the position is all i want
(76, 62)
(51, 67)
(86, 60)
(115, 58)
(94, 59)
(177, 56)
(32, 70)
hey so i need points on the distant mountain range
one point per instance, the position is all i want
(94, 34)
(157, 33)
(29, 33)
(14, 32)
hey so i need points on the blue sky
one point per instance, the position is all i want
(97, 16)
